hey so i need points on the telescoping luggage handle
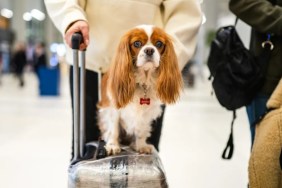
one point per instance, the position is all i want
(78, 96)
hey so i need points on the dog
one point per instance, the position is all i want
(144, 74)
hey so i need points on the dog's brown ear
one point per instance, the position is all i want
(169, 83)
(104, 102)
(121, 77)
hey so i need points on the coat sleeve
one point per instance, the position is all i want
(64, 12)
(182, 19)
(259, 14)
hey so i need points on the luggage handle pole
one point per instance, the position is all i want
(82, 103)
(78, 97)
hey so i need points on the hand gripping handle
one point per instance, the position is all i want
(76, 40)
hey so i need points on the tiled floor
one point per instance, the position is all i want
(35, 139)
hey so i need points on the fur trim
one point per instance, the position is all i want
(275, 100)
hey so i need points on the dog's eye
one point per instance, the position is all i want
(137, 44)
(159, 44)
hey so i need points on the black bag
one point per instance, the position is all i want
(237, 74)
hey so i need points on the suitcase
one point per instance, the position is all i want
(90, 167)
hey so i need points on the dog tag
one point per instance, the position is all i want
(144, 101)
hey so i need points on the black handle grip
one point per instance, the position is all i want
(76, 40)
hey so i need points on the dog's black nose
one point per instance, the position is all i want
(149, 51)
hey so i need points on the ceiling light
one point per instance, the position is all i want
(204, 19)
(6, 13)
(27, 16)
(37, 14)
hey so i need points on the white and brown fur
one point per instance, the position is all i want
(133, 66)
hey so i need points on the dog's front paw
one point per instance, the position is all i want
(145, 149)
(112, 149)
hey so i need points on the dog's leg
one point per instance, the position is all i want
(142, 132)
(111, 135)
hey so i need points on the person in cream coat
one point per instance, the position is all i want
(103, 22)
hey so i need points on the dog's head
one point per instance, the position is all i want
(146, 48)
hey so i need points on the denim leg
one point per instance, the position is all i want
(255, 110)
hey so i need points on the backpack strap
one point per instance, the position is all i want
(230, 145)
(236, 21)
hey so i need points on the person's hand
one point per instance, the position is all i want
(78, 26)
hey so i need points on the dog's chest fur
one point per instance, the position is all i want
(134, 113)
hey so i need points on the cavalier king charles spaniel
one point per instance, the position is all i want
(143, 75)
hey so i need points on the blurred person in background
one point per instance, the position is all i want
(40, 59)
(30, 54)
(1, 67)
(104, 22)
(19, 61)
(264, 16)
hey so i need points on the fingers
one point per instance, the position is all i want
(78, 26)
(85, 34)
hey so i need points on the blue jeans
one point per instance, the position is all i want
(255, 110)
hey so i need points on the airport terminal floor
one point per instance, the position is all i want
(35, 138)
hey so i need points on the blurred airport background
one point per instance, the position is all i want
(35, 115)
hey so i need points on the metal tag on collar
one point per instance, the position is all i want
(268, 42)
(145, 101)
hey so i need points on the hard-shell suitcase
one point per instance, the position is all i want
(91, 168)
